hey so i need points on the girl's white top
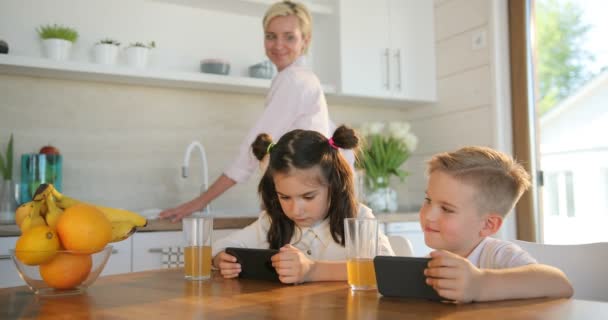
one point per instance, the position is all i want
(295, 101)
(315, 241)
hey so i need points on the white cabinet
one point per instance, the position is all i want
(148, 247)
(120, 260)
(387, 49)
(413, 232)
(9, 277)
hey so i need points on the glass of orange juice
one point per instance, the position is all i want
(197, 247)
(361, 239)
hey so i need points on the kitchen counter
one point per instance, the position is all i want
(224, 223)
(158, 225)
(164, 294)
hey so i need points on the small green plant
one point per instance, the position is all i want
(57, 31)
(6, 161)
(150, 45)
(109, 41)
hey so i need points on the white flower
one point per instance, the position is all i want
(411, 141)
(369, 128)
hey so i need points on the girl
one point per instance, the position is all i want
(307, 191)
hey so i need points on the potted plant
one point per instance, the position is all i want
(57, 40)
(385, 150)
(8, 200)
(105, 51)
(137, 53)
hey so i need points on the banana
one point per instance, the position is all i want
(52, 216)
(112, 214)
(23, 211)
(33, 219)
(121, 230)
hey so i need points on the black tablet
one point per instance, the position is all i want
(403, 277)
(255, 263)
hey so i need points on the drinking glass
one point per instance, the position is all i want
(361, 239)
(197, 247)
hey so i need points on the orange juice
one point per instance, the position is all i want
(197, 262)
(361, 274)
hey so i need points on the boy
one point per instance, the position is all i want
(468, 194)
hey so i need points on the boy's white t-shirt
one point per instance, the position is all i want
(315, 241)
(493, 253)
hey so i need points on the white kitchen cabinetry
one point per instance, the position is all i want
(9, 277)
(148, 246)
(413, 232)
(120, 260)
(387, 49)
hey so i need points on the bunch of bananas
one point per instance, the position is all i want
(48, 205)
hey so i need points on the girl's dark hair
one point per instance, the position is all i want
(304, 149)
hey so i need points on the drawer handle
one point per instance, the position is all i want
(5, 257)
(155, 250)
(114, 251)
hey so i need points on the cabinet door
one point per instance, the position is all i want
(120, 260)
(9, 277)
(364, 48)
(148, 246)
(413, 232)
(412, 42)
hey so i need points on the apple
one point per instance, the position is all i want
(49, 150)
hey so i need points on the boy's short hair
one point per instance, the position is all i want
(498, 178)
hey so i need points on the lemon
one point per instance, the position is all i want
(37, 245)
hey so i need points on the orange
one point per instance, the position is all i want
(37, 245)
(66, 270)
(84, 228)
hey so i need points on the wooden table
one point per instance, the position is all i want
(165, 295)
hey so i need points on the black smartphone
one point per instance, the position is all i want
(403, 277)
(255, 263)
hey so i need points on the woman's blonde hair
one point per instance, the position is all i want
(286, 8)
(498, 179)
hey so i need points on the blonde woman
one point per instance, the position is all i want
(295, 99)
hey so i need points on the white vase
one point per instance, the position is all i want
(104, 53)
(382, 200)
(8, 202)
(57, 49)
(137, 57)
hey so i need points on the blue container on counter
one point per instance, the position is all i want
(37, 169)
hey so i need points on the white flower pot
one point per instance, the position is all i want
(137, 57)
(104, 53)
(56, 49)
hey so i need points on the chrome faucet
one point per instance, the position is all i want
(205, 173)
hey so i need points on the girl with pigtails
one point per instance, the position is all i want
(307, 191)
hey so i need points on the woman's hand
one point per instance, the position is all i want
(227, 264)
(292, 265)
(181, 211)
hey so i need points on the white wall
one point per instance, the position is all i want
(123, 145)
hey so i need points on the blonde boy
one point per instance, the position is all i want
(468, 194)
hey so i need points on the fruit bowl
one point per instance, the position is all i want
(67, 272)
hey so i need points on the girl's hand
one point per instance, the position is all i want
(227, 264)
(292, 265)
(454, 277)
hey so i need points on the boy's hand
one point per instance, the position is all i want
(453, 277)
(227, 264)
(291, 264)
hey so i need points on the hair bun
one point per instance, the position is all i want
(259, 147)
(345, 137)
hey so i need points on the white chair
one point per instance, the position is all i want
(401, 246)
(584, 264)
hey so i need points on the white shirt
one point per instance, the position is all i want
(315, 241)
(295, 101)
(493, 253)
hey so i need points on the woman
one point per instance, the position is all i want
(295, 100)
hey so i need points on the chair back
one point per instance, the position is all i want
(401, 246)
(584, 264)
